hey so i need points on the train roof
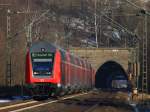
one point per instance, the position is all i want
(42, 44)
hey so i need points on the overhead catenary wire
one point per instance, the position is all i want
(133, 4)
(115, 25)
(122, 27)
(104, 14)
(128, 31)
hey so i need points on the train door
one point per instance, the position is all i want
(80, 72)
(72, 65)
(75, 71)
(78, 75)
(84, 74)
(68, 69)
(63, 68)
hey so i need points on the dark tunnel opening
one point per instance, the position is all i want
(111, 75)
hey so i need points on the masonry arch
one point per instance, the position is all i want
(111, 75)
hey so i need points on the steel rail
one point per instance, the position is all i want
(50, 102)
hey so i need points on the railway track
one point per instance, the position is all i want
(85, 102)
(23, 106)
(107, 103)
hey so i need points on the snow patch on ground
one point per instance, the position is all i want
(4, 101)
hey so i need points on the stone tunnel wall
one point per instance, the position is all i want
(98, 56)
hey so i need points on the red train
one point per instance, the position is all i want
(51, 71)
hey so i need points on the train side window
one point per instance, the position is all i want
(78, 61)
(88, 66)
(83, 64)
(72, 59)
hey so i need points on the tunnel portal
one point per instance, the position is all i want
(111, 75)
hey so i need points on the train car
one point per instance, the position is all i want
(52, 71)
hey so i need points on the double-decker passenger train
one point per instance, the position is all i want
(52, 71)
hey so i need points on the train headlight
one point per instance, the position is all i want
(58, 85)
(42, 49)
(35, 73)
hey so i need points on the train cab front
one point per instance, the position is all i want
(40, 74)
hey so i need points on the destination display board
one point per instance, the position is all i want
(42, 55)
(42, 63)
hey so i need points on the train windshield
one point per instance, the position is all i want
(42, 63)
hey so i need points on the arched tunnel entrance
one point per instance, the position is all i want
(111, 75)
